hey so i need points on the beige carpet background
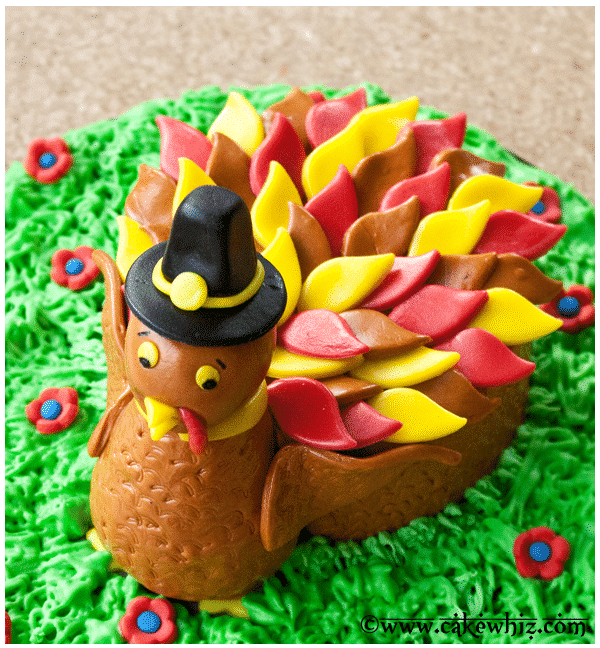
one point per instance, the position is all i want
(526, 75)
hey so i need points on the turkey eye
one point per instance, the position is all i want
(207, 377)
(148, 354)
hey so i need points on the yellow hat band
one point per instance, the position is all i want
(189, 291)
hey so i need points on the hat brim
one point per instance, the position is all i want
(204, 326)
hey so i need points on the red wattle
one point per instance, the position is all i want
(195, 429)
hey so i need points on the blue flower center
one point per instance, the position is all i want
(539, 551)
(148, 622)
(73, 266)
(568, 307)
(47, 160)
(538, 208)
(51, 409)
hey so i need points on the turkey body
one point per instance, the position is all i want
(186, 526)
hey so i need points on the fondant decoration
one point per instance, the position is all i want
(77, 275)
(150, 203)
(228, 166)
(283, 145)
(270, 209)
(232, 607)
(568, 307)
(435, 135)
(47, 160)
(347, 390)
(464, 165)
(538, 208)
(484, 360)
(316, 95)
(511, 231)
(407, 275)
(133, 241)
(452, 232)
(464, 271)
(115, 319)
(148, 621)
(161, 418)
(540, 552)
(516, 273)
(197, 434)
(373, 129)
(576, 316)
(384, 338)
(180, 140)
(382, 232)
(376, 173)
(320, 333)
(439, 312)
(244, 418)
(219, 569)
(422, 419)
(525, 324)
(285, 364)
(343, 282)
(335, 208)
(50, 409)
(431, 188)
(327, 118)
(452, 391)
(317, 426)
(310, 242)
(148, 354)
(366, 425)
(7, 628)
(547, 208)
(407, 369)
(53, 410)
(334, 481)
(191, 176)
(295, 107)
(207, 377)
(239, 121)
(189, 290)
(240, 306)
(502, 194)
(150, 469)
(282, 254)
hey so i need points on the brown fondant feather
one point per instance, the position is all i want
(304, 484)
(150, 203)
(516, 273)
(452, 391)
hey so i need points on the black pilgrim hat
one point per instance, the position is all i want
(206, 285)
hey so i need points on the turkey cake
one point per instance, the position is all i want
(321, 314)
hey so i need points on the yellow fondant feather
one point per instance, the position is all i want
(133, 241)
(513, 319)
(282, 254)
(270, 210)
(407, 369)
(422, 419)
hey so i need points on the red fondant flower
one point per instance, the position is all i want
(574, 307)
(54, 409)
(548, 207)
(7, 628)
(47, 160)
(148, 621)
(540, 552)
(74, 269)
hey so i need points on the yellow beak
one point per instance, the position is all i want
(160, 417)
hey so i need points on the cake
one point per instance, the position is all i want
(60, 590)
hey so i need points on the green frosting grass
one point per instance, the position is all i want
(59, 590)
